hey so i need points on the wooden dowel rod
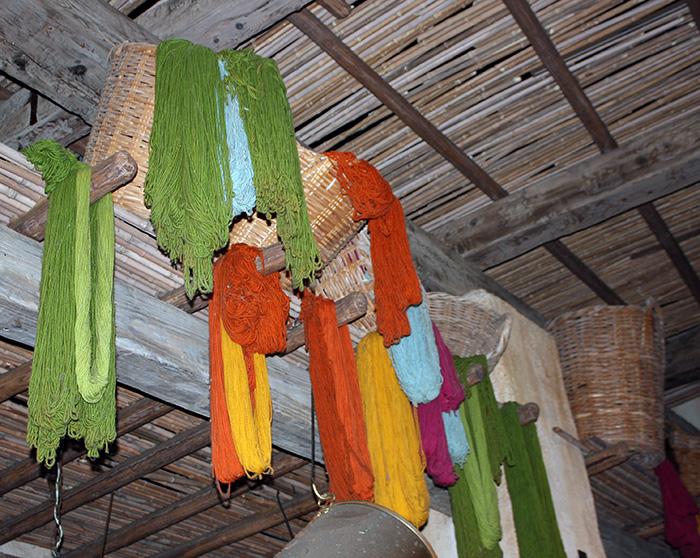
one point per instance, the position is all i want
(347, 309)
(528, 413)
(573, 441)
(107, 176)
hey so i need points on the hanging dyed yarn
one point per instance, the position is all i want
(188, 183)
(392, 434)
(269, 127)
(73, 382)
(240, 165)
(437, 416)
(415, 358)
(396, 284)
(479, 415)
(528, 486)
(341, 423)
(247, 319)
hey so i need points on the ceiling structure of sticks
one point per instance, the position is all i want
(548, 151)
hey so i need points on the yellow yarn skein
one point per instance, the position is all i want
(393, 434)
(251, 430)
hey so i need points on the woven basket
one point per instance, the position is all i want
(469, 329)
(686, 449)
(612, 361)
(351, 271)
(124, 120)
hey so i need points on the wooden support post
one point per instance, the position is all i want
(107, 176)
(176, 512)
(243, 528)
(127, 471)
(130, 418)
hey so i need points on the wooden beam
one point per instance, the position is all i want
(313, 28)
(557, 249)
(337, 8)
(130, 418)
(218, 24)
(657, 163)
(161, 350)
(62, 51)
(122, 474)
(694, 7)
(243, 528)
(673, 249)
(15, 381)
(107, 176)
(362, 72)
(177, 511)
(552, 60)
(683, 358)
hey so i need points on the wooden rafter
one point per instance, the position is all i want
(177, 511)
(572, 90)
(428, 132)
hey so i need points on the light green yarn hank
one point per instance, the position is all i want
(478, 471)
(277, 177)
(188, 184)
(530, 495)
(66, 314)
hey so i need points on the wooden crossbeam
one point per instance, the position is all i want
(243, 528)
(572, 90)
(428, 132)
(126, 472)
(177, 511)
(130, 418)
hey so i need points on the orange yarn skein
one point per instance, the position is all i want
(396, 284)
(336, 390)
(252, 309)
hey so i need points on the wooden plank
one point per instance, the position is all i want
(130, 418)
(218, 24)
(127, 471)
(107, 176)
(61, 51)
(177, 511)
(161, 350)
(655, 164)
(243, 528)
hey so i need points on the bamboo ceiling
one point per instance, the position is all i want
(471, 71)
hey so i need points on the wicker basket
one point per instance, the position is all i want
(686, 449)
(124, 120)
(469, 329)
(612, 361)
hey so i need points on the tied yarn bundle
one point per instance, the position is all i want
(247, 319)
(336, 392)
(415, 358)
(530, 495)
(188, 184)
(483, 426)
(269, 127)
(392, 434)
(396, 284)
(438, 416)
(73, 382)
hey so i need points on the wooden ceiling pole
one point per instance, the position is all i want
(176, 512)
(120, 475)
(572, 90)
(130, 418)
(313, 28)
(243, 528)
